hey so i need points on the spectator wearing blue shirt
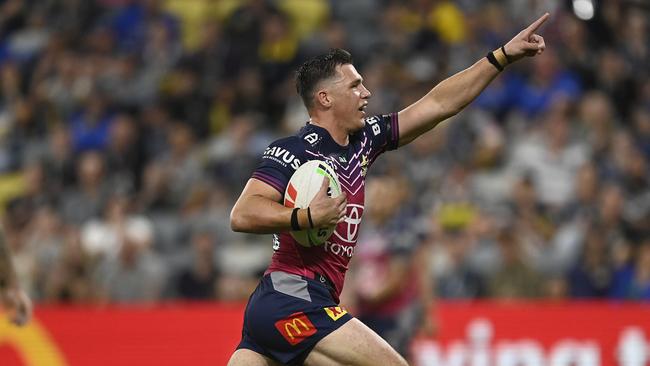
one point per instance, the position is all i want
(632, 282)
(90, 127)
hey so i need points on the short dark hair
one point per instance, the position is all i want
(321, 67)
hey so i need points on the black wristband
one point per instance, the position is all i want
(493, 61)
(503, 49)
(311, 223)
(294, 219)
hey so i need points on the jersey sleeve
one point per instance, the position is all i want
(383, 133)
(279, 161)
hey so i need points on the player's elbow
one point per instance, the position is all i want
(237, 221)
(447, 105)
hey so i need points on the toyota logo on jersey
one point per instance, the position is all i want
(349, 229)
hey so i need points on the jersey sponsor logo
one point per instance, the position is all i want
(312, 138)
(282, 156)
(349, 229)
(32, 344)
(339, 249)
(372, 121)
(335, 312)
(296, 328)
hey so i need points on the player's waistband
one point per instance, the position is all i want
(316, 276)
(322, 279)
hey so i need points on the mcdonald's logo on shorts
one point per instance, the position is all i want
(335, 312)
(296, 328)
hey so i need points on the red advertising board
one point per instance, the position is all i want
(553, 334)
(471, 334)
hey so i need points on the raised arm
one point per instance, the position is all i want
(12, 298)
(259, 211)
(454, 93)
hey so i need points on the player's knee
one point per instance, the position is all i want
(397, 360)
(245, 357)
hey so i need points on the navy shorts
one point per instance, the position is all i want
(287, 315)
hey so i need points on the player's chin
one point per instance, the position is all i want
(362, 118)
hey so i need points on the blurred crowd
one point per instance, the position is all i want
(129, 127)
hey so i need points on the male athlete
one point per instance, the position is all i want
(12, 299)
(293, 317)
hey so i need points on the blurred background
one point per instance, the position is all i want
(128, 129)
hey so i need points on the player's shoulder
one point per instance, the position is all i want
(290, 145)
(289, 142)
(288, 151)
(306, 137)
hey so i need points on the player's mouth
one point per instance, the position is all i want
(362, 109)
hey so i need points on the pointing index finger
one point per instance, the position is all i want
(536, 24)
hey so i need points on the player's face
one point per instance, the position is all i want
(350, 98)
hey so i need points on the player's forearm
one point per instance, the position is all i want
(445, 100)
(7, 272)
(456, 92)
(260, 215)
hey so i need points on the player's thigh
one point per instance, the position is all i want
(246, 357)
(353, 344)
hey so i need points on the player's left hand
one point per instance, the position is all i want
(17, 304)
(527, 43)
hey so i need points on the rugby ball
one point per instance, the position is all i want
(301, 190)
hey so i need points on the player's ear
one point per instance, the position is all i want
(323, 98)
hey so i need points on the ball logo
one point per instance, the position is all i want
(349, 229)
(292, 193)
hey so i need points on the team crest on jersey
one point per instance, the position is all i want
(364, 164)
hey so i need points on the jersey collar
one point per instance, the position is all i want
(322, 138)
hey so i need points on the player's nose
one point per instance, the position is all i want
(365, 93)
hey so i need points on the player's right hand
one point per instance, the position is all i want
(527, 42)
(325, 210)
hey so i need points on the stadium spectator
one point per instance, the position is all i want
(171, 104)
(199, 280)
(514, 279)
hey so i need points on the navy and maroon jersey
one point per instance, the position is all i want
(281, 159)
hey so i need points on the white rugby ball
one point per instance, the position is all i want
(301, 190)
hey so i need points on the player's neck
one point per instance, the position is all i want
(338, 134)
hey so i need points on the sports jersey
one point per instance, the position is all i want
(351, 162)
